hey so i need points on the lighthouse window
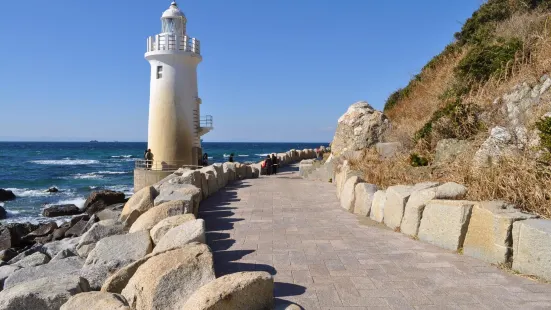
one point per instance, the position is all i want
(159, 72)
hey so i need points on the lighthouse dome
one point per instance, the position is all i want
(173, 11)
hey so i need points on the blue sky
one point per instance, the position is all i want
(272, 71)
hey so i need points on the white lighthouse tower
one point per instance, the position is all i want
(175, 125)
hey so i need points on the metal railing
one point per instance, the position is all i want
(206, 121)
(161, 165)
(173, 42)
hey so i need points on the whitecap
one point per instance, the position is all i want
(243, 155)
(66, 161)
(112, 172)
(87, 176)
(12, 212)
(79, 202)
(127, 190)
(25, 192)
(121, 156)
(226, 155)
(262, 155)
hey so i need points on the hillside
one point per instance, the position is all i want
(476, 113)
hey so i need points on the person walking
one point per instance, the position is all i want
(149, 158)
(274, 164)
(268, 163)
(205, 160)
(231, 158)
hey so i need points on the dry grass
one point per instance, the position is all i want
(518, 180)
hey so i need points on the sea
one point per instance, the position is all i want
(78, 168)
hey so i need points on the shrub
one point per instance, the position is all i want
(418, 161)
(477, 26)
(483, 61)
(398, 95)
(544, 126)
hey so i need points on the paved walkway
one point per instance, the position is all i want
(323, 257)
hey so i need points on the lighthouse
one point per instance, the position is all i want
(175, 124)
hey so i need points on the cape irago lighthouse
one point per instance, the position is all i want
(175, 125)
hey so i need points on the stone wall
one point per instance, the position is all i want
(493, 231)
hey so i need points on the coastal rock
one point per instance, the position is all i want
(447, 150)
(388, 149)
(190, 177)
(241, 171)
(210, 175)
(182, 192)
(160, 229)
(167, 280)
(99, 231)
(107, 196)
(241, 290)
(96, 275)
(168, 209)
(204, 186)
(119, 279)
(7, 239)
(68, 266)
(85, 250)
(59, 233)
(96, 301)
(64, 254)
(5, 272)
(6, 195)
(221, 178)
(96, 207)
(35, 259)
(25, 253)
(52, 189)
(109, 214)
(48, 293)
(77, 229)
(61, 210)
(120, 250)
(229, 171)
(364, 198)
(6, 255)
(53, 248)
(3, 213)
(501, 142)
(42, 230)
(138, 204)
(177, 237)
(359, 128)
(12, 235)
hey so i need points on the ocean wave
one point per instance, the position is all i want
(12, 212)
(243, 155)
(127, 190)
(122, 156)
(67, 162)
(226, 155)
(87, 176)
(210, 157)
(113, 172)
(262, 155)
(79, 202)
(25, 192)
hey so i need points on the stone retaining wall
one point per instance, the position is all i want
(493, 231)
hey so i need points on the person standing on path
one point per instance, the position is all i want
(274, 164)
(268, 162)
(205, 160)
(231, 158)
(149, 158)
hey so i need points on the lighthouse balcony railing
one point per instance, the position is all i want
(206, 122)
(162, 165)
(173, 42)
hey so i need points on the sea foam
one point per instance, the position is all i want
(66, 162)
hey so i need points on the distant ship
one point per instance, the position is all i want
(94, 141)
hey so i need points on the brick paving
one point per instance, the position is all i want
(323, 257)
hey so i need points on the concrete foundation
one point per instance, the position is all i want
(143, 178)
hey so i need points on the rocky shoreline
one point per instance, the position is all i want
(145, 253)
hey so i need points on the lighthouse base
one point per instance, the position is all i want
(144, 178)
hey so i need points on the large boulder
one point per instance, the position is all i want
(501, 142)
(418, 199)
(168, 209)
(395, 202)
(138, 204)
(167, 280)
(160, 229)
(183, 192)
(96, 301)
(190, 177)
(229, 171)
(347, 196)
(119, 279)
(378, 206)
(359, 128)
(96, 275)
(99, 231)
(241, 290)
(48, 293)
(177, 237)
(445, 222)
(5, 272)
(489, 236)
(69, 266)
(61, 210)
(12, 234)
(55, 247)
(447, 150)
(532, 247)
(221, 178)
(120, 250)
(108, 197)
(210, 180)
(364, 198)
(32, 260)
(42, 230)
(6, 195)
(241, 171)
(388, 149)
